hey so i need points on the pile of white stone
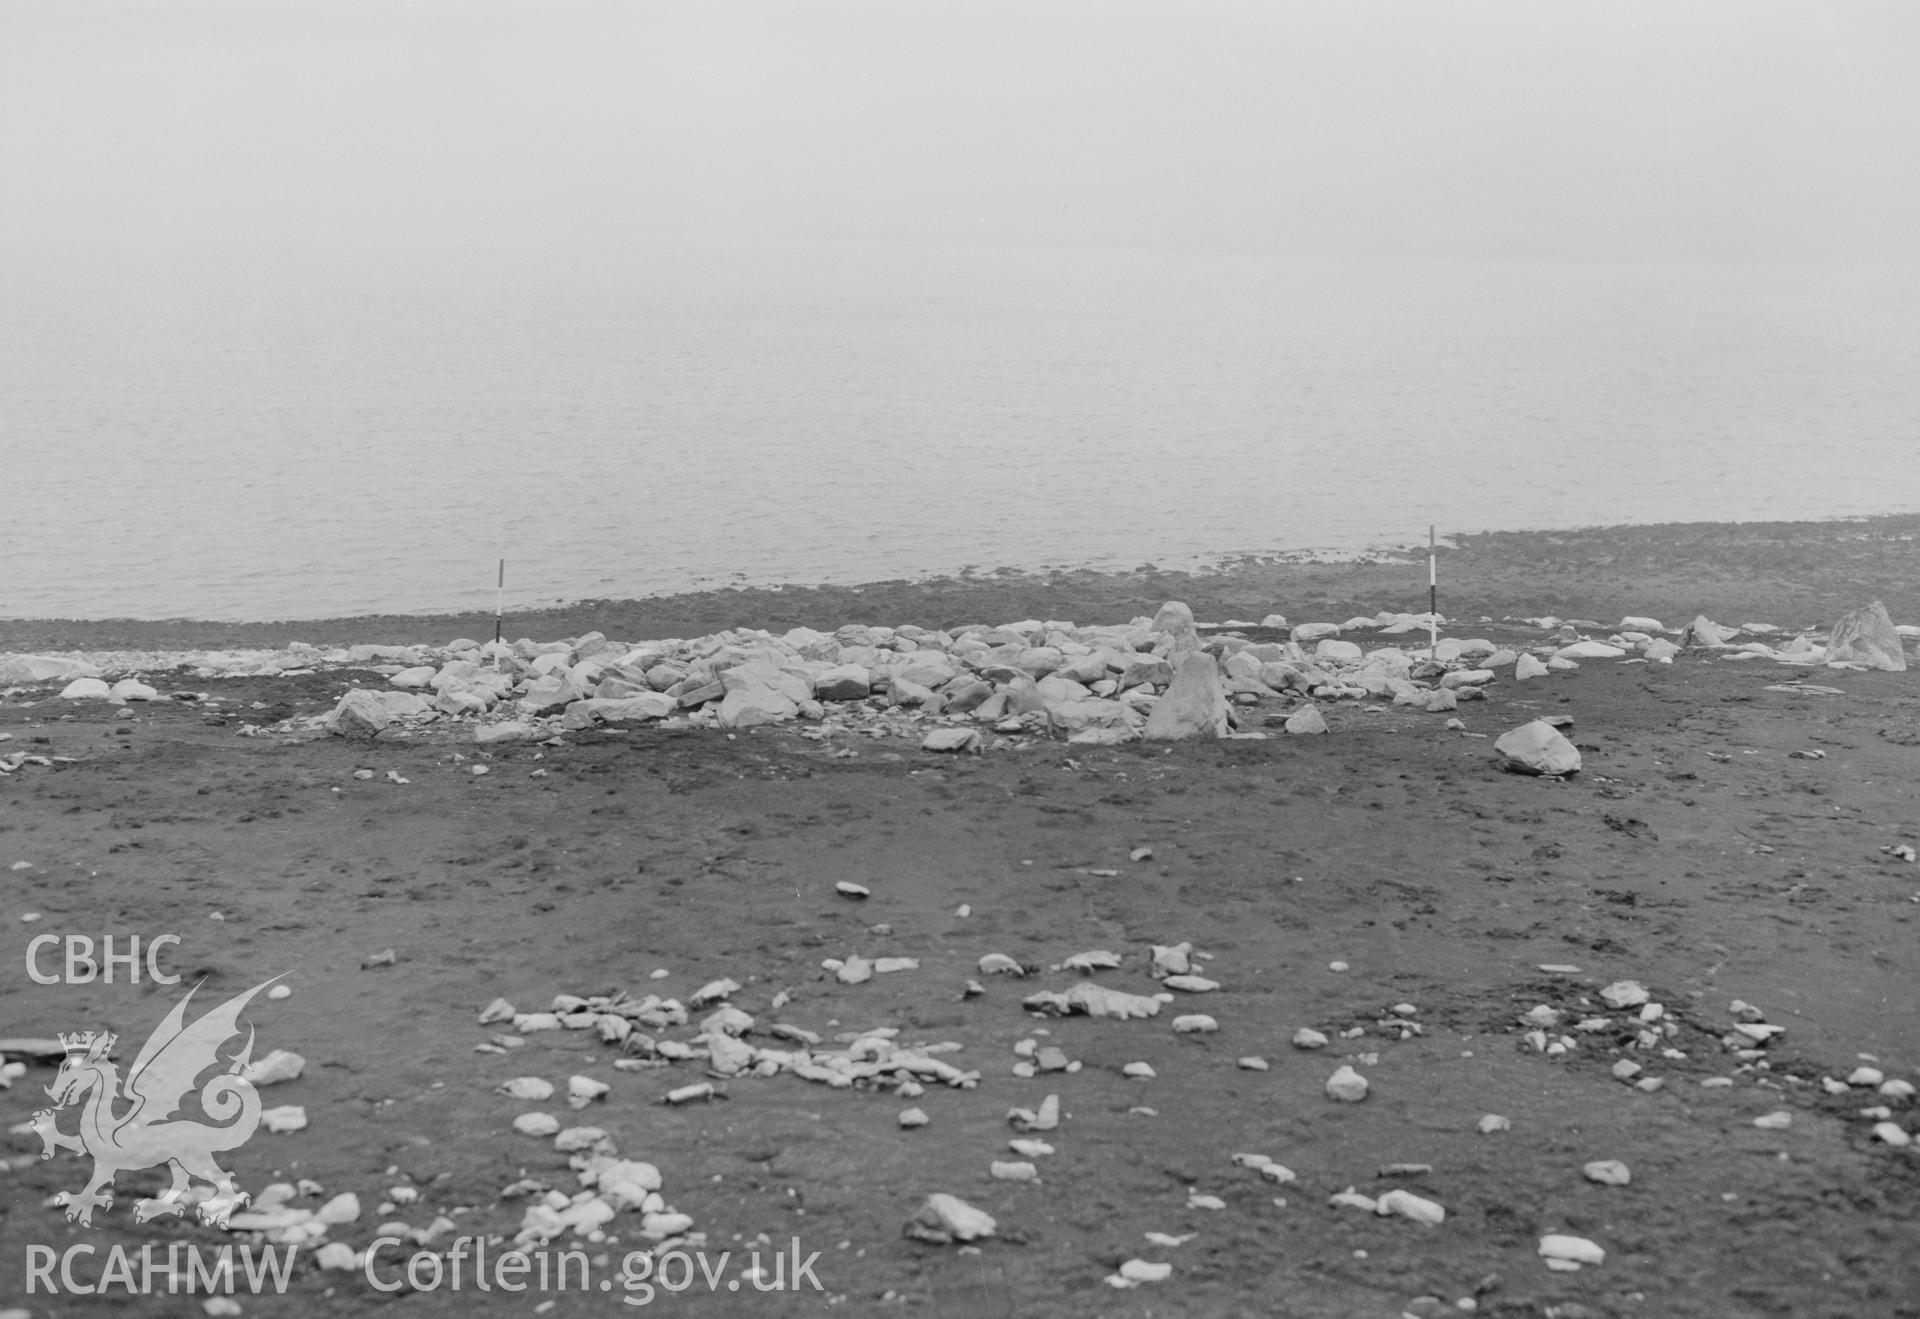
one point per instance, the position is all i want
(1158, 678)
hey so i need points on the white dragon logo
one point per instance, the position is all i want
(147, 1134)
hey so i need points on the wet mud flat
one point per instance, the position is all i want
(1703, 852)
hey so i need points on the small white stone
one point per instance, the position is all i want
(288, 1117)
(1892, 1134)
(280, 991)
(1573, 1250)
(1138, 1270)
(1492, 1122)
(1197, 1023)
(536, 1124)
(1347, 1086)
(1012, 1171)
(1608, 1172)
(1030, 1149)
(1897, 1089)
(1139, 1071)
(1409, 1205)
(1306, 1038)
(1774, 1121)
(1252, 1064)
(1625, 994)
(1336, 966)
(1871, 1076)
(1626, 1069)
(1195, 1200)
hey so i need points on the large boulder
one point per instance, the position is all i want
(1306, 721)
(1146, 671)
(18, 670)
(1173, 617)
(1538, 748)
(1195, 704)
(360, 713)
(551, 693)
(1703, 631)
(743, 707)
(843, 682)
(765, 674)
(1866, 636)
(626, 709)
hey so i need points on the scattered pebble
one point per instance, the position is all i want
(848, 889)
(1252, 1064)
(1779, 1121)
(1197, 1023)
(1566, 1253)
(288, 1117)
(1893, 1134)
(1408, 1205)
(1306, 1038)
(1013, 1172)
(1492, 1122)
(945, 1219)
(1139, 1071)
(1347, 1086)
(1608, 1172)
(536, 1124)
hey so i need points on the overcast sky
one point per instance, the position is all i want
(1612, 129)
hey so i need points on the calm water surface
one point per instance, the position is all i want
(239, 436)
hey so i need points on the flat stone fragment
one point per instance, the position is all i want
(1191, 984)
(1011, 1171)
(1608, 1172)
(536, 1124)
(1492, 1122)
(1252, 1064)
(1306, 1038)
(1779, 1121)
(1045, 1119)
(1408, 1205)
(1893, 1134)
(1196, 1023)
(1094, 1001)
(1572, 1250)
(1625, 994)
(945, 1219)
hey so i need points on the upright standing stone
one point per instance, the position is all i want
(1866, 636)
(1195, 703)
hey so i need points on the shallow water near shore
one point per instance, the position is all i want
(231, 437)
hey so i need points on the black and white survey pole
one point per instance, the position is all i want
(1433, 595)
(499, 598)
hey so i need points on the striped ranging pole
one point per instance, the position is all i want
(1433, 595)
(499, 599)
